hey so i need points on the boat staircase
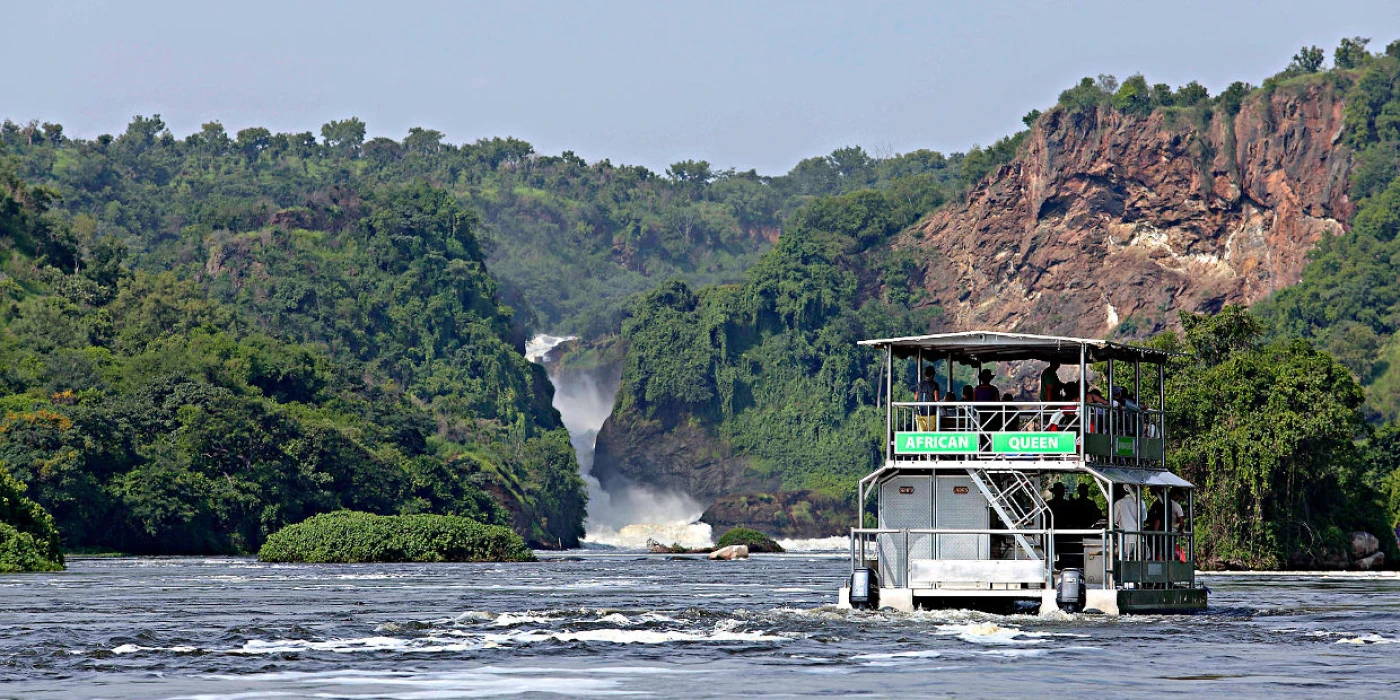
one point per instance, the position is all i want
(1015, 498)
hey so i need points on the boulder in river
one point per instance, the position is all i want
(1370, 563)
(1364, 544)
(731, 552)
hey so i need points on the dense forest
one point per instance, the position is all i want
(770, 368)
(207, 338)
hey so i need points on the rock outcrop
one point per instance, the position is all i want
(1108, 223)
(678, 458)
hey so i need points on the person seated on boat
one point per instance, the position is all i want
(927, 391)
(1050, 387)
(966, 414)
(1066, 417)
(1010, 417)
(1097, 409)
(1128, 517)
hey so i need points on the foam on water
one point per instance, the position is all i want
(839, 543)
(684, 532)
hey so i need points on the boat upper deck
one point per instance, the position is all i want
(1071, 421)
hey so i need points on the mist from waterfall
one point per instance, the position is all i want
(629, 516)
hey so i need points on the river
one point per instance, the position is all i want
(612, 623)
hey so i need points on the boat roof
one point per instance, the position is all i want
(1139, 477)
(991, 346)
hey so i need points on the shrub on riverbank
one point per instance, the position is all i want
(753, 539)
(355, 537)
(28, 538)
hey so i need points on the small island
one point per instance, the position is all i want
(346, 536)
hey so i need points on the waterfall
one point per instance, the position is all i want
(630, 515)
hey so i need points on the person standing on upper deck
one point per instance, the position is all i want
(1050, 387)
(927, 392)
(985, 390)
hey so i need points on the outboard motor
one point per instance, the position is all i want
(1070, 593)
(863, 592)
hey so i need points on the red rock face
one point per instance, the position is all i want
(1106, 218)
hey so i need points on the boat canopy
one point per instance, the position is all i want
(1139, 477)
(973, 347)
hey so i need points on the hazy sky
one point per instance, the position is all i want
(753, 84)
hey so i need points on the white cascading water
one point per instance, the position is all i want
(628, 517)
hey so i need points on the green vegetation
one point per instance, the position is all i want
(1272, 433)
(351, 537)
(28, 538)
(770, 366)
(753, 539)
(367, 365)
(1348, 301)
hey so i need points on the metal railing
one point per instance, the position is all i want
(1154, 558)
(1143, 429)
(866, 549)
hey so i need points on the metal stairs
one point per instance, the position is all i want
(1015, 499)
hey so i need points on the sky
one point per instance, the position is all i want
(743, 84)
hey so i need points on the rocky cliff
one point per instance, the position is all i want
(1109, 222)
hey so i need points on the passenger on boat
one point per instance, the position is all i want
(966, 415)
(985, 391)
(1050, 387)
(1086, 511)
(927, 391)
(1062, 518)
(1158, 523)
(1128, 517)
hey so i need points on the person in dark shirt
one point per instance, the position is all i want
(927, 392)
(985, 391)
(1086, 511)
(1050, 387)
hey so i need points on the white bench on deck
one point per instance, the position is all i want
(974, 573)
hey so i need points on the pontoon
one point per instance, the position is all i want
(961, 517)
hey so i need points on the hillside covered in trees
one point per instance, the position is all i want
(206, 338)
(755, 391)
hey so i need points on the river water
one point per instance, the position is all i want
(633, 624)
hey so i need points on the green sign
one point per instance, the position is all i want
(935, 443)
(1125, 446)
(1033, 443)
(967, 443)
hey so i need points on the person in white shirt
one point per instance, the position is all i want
(1128, 516)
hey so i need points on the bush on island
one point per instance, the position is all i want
(753, 539)
(348, 536)
(28, 538)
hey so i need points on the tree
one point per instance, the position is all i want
(252, 142)
(691, 172)
(344, 137)
(1133, 96)
(1351, 53)
(1308, 60)
(1268, 431)
(1192, 93)
(1030, 117)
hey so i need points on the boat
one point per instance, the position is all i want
(956, 515)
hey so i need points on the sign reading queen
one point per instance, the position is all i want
(967, 443)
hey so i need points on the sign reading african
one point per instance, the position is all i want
(924, 443)
(935, 443)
